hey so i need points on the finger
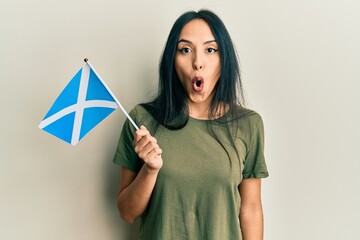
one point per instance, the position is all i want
(145, 140)
(154, 153)
(150, 147)
(144, 152)
(153, 157)
(139, 134)
(157, 151)
(142, 143)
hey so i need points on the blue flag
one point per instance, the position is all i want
(84, 103)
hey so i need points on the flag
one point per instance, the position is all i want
(83, 104)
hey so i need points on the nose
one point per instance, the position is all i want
(198, 62)
(197, 66)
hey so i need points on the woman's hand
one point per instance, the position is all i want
(148, 150)
(136, 187)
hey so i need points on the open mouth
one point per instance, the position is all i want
(198, 84)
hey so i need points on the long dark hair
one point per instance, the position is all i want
(170, 107)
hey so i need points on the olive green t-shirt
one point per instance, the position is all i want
(196, 194)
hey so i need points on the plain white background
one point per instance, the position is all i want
(300, 66)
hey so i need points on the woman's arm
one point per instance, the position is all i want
(251, 213)
(136, 189)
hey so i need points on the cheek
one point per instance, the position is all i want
(218, 66)
(217, 71)
(180, 69)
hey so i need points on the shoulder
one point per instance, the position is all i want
(142, 116)
(248, 124)
(138, 112)
(249, 118)
(255, 119)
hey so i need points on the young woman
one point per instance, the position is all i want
(193, 170)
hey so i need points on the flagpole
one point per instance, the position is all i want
(112, 95)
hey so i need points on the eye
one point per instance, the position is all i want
(211, 50)
(185, 50)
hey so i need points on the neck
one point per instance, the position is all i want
(202, 110)
(199, 112)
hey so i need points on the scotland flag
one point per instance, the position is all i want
(84, 103)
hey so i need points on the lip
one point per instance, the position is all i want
(198, 84)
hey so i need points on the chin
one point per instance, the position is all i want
(198, 99)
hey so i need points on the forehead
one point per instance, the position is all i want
(196, 29)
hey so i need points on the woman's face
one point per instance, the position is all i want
(197, 61)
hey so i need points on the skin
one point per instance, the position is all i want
(136, 189)
(197, 56)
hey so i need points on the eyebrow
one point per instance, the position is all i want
(187, 41)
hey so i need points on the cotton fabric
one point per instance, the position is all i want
(196, 193)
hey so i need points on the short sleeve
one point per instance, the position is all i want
(254, 164)
(125, 155)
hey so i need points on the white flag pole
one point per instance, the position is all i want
(112, 95)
